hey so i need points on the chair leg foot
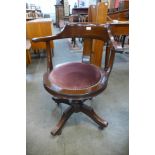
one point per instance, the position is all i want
(91, 113)
(56, 131)
(67, 113)
(101, 127)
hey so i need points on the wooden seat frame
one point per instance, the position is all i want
(76, 99)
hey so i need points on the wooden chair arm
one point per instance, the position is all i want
(90, 31)
(44, 39)
(115, 45)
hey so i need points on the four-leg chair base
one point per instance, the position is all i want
(76, 106)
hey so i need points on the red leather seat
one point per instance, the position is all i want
(75, 76)
(75, 80)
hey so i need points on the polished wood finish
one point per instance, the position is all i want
(39, 28)
(87, 48)
(79, 30)
(101, 18)
(96, 14)
(77, 106)
(88, 43)
(119, 29)
(101, 14)
(75, 98)
(119, 15)
(49, 57)
(92, 13)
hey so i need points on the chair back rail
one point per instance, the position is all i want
(81, 30)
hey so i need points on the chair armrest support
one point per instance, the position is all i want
(110, 19)
(115, 45)
(47, 40)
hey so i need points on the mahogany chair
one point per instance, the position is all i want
(73, 83)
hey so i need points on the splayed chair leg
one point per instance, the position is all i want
(77, 106)
(91, 113)
(66, 114)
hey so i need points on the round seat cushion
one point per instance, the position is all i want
(75, 76)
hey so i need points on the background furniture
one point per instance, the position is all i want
(59, 11)
(66, 8)
(92, 13)
(28, 55)
(60, 14)
(123, 5)
(99, 14)
(96, 14)
(120, 30)
(80, 11)
(39, 28)
(73, 83)
(119, 15)
(33, 12)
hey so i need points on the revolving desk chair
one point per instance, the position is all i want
(73, 83)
